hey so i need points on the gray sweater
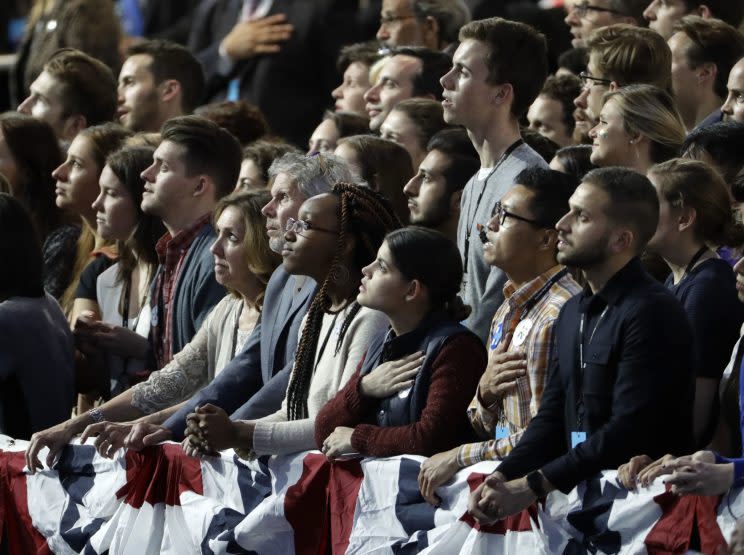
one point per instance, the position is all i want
(482, 284)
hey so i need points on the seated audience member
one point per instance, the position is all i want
(705, 472)
(74, 91)
(551, 114)
(694, 218)
(411, 124)
(434, 193)
(733, 108)
(584, 17)
(410, 393)
(29, 152)
(639, 126)
(159, 80)
(409, 72)
(572, 62)
(384, 165)
(703, 53)
(545, 147)
(354, 63)
(86, 25)
(77, 188)
(663, 14)
(521, 240)
(257, 159)
(619, 55)
(574, 160)
(334, 126)
(116, 334)
(37, 376)
(243, 264)
(624, 383)
(489, 100)
(430, 23)
(245, 121)
(316, 245)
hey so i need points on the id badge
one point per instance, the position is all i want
(576, 438)
(502, 432)
(496, 336)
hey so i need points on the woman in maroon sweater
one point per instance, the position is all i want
(411, 392)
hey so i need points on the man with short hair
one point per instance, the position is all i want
(586, 16)
(487, 91)
(619, 55)
(620, 379)
(733, 108)
(703, 53)
(430, 23)
(521, 240)
(434, 193)
(663, 14)
(74, 91)
(410, 72)
(353, 64)
(254, 383)
(159, 80)
(551, 114)
(720, 145)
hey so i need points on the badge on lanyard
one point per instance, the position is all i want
(496, 336)
(502, 432)
(576, 438)
(154, 317)
(521, 332)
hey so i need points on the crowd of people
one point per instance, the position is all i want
(381, 228)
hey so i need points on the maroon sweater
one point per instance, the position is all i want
(444, 424)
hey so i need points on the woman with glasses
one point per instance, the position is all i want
(639, 126)
(694, 217)
(411, 393)
(335, 236)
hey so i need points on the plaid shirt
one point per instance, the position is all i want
(171, 253)
(516, 409)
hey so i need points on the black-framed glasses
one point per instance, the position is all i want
(501, 214)
(301, 226)
(588, 80)
(583, 8)
(390, 19)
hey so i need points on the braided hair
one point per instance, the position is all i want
(366, 216)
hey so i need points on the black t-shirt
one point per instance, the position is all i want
(86, 288)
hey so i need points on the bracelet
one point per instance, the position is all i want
(96, 415)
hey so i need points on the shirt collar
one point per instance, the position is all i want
(518, 297)
(182, 239)
(615, 287)
(397, 346)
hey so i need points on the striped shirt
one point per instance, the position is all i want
(530, 330)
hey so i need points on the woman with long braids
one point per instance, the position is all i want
(412, 392)
(335, 236)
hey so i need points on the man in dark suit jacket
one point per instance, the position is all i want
(282, 59)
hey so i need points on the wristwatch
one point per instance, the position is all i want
(535, 483)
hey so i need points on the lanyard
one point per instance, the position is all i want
(470, 224)
(532, 301)
(691, 265)
(582, 364)
(321, 350)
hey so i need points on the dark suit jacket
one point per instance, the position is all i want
(257, 377)
(293, 87)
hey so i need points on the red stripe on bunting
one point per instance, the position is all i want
(23, 538)
(160, 474)
(306, 506)
(520, 522)
(343, 490)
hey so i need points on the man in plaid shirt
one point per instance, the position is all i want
(520, 238)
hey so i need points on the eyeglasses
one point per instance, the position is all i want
(501, 215)
(588, 80)
(390, 19)
(301, 226)
(584, 8)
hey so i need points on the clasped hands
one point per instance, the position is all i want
(210, 430)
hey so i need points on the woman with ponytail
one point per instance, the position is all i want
(411, 393)
(335, 236)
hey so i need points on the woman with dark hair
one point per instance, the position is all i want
(573, 160)
(257, 159)
(35, 340)
(118, 331)
(335, 126)
(335, 236)
(411, 393)
(29, 152)
(384, 165)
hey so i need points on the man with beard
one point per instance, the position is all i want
(435, 191)
(159, 80)
(620, 378)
